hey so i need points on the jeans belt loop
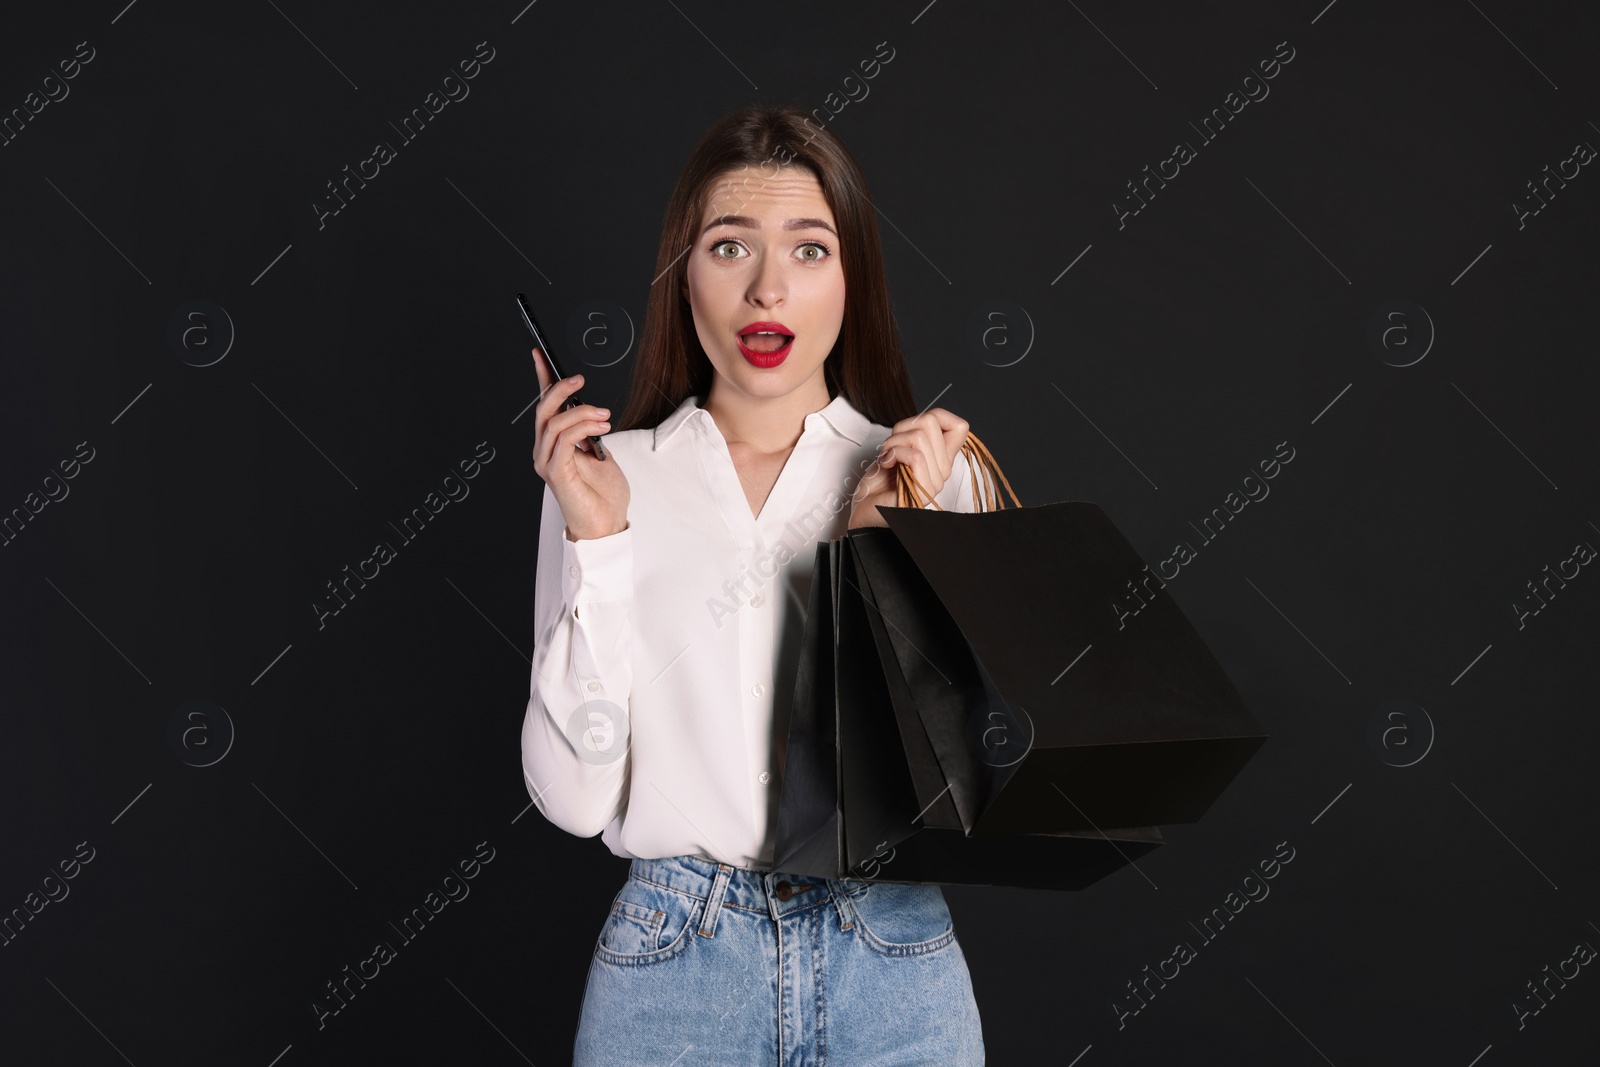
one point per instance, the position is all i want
(719, 889)
(843, 903)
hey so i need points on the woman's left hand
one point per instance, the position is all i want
(928, 444)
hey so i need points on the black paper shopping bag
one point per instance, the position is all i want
(808, 826)
(850, 802)
(930, 708)
(1051, 703)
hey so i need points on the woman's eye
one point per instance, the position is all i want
(720, 250)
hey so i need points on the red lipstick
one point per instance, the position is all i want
(766, 359)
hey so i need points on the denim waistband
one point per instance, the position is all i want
(774, 892)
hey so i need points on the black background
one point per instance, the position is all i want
(370, 354)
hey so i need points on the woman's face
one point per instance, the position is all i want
(772, 258)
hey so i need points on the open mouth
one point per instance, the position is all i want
(766, 342)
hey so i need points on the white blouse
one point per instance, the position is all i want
(666, 654)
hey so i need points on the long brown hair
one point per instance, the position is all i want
(866, 363)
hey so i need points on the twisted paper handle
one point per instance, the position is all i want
(912, 494)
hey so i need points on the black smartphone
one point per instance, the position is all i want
(550, 359)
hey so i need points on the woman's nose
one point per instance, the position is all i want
(767, 286)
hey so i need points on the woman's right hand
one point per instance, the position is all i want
(592, 492)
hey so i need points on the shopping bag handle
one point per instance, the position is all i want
(912, 493)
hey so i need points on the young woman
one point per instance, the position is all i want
(768, 411)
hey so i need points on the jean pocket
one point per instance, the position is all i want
(648, 923)
(903, 920)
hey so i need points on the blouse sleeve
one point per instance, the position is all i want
(575, 754)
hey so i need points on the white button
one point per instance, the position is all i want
(594, 687)
(758, 689)
(756, 601)
(764, 777)
(572, 571)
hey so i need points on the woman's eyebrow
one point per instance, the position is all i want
(755, 224)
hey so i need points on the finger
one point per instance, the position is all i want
(561, 387)
(952, 427)
(568, 416)
(933, 436)
(559, 424)
(551, 399)
(538, 368)
(566, 442)
(955, 432)
(926, 474)
(947, 420)
(955, 438)
(898, 448)
(911, 455)
(929, 428)
(919, 439)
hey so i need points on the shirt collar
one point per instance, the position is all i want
(839, 414)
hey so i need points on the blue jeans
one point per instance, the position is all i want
(704, 963)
